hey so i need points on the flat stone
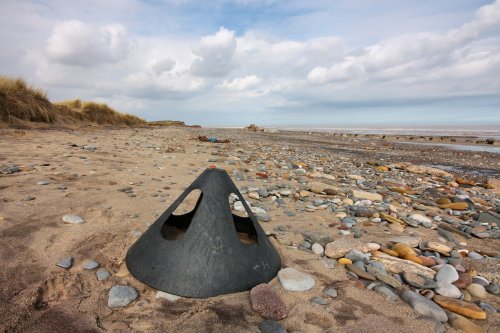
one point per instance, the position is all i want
(341, 246)
(463, 281)
(120, 296)
(267, 303)
(91, 264)
(397, 265)
(360, 273)
(419, 281)
(363, 195)
(420, 219)
(407, 240)
(43, 182)
(477, 290)
(102, 274)
(332, 292)
(424, 306)
(386, 292)
(447, 290)
(65, 262)
(355, 255)
(317, 237)
(447, 274)
(463, 324)
(463, 308)
(318, 300)
(73, 219)
(437, 247)
(294, 280)
(271, 326)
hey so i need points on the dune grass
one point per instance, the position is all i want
(21, 103)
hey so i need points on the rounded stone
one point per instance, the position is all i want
(447, 290)
(120, 296)
(102, 274)
(267, 303)
(73, 219)
(271, 326)
(294, 280)
(447, 274)
(424, 306)
(91, 264)
(476, 290)
(317, 248)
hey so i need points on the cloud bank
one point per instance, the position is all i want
(232, 75)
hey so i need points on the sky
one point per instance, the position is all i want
(371, 63)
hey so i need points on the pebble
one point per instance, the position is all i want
(317, 248)
(474, 255)
(424, 306)
(355, 255)
(363, 195)
(120, 296)
(271, 326)
(91, 264)
(493, 288)
(332, 292)
(359, 272)
(43, 182)
(73, 219)
(341, 246)
(420, 219)
(477, 290)
(419, 281)
(318, 300)
(373, 246)
(407, 240)
(294, 280)
(447, 290)
(386, 292)
(447, 274)
(467, 309)
(266, 302)
(463, 324)
(65, 262)
(102, 274)
(463, 281)
(344, 261)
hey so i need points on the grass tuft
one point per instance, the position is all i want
(20, 103)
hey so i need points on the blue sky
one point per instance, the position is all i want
(270, 62)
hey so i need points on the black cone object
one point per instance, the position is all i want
(208, 259)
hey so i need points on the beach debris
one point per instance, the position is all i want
(212, 139)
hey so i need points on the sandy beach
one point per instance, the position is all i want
(119, 181)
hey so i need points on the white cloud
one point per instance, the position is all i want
(241, 83)
(160, 66)
(409, 54)
(76, 43)
(215, 54)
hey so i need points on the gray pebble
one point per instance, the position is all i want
(91, 264)
(65, 262)
(120, 296)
